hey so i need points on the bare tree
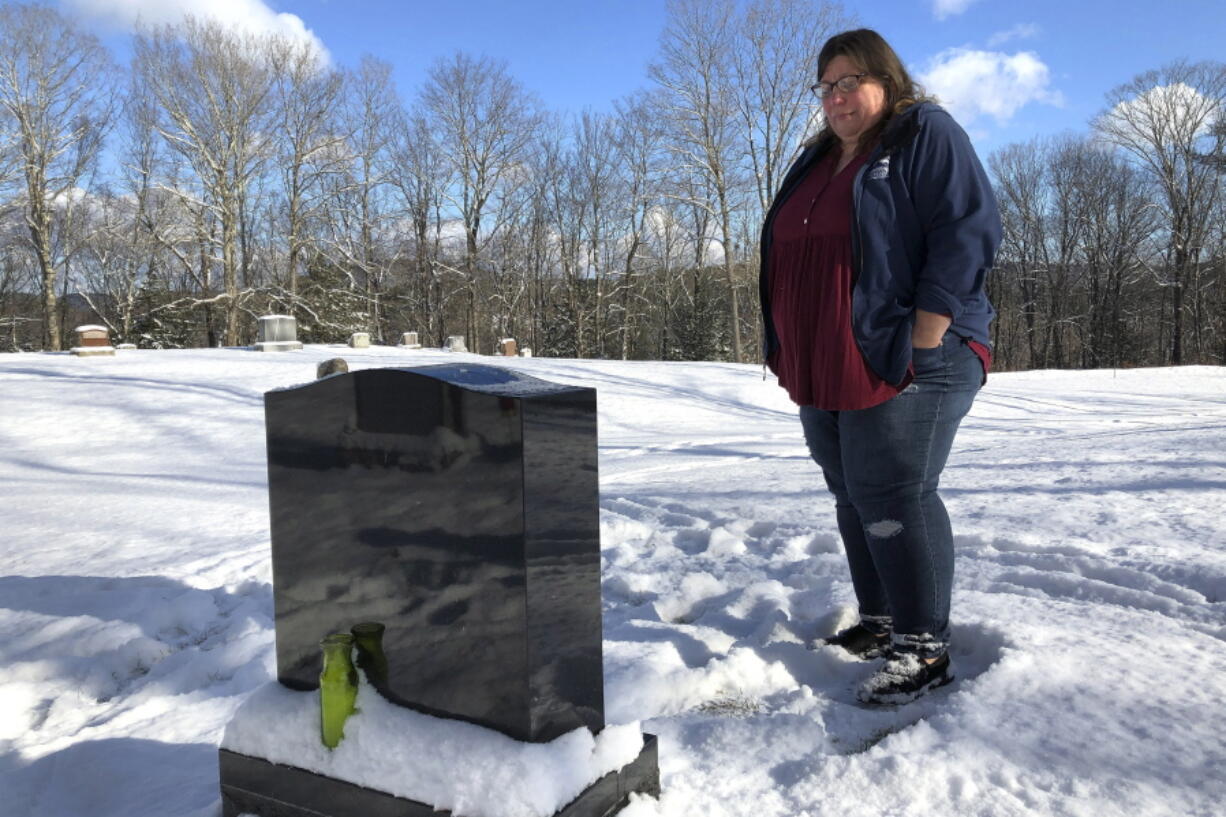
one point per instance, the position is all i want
(212, 85)
(1161, 120)
(774, 63)
(1073, 270)
(1215, 154)
(418, 173)
(1120, 220)
(549, 241)
(107, 274)
(569, 331)
(307, 94)
(18, 277)
(695, 68)
(1066, 163)
(361, 213)
(639, 137)
(56, 89)
(1019, 170)
(484, 121)
(595, 164)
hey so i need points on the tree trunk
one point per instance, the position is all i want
(734, 311)
(39, 235)
(229, 270)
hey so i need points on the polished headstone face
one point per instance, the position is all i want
(456, 505)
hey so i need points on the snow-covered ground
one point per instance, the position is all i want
(1089, 607)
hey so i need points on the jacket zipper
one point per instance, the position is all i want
(857, 251)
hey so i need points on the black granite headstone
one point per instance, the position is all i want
(457, 505)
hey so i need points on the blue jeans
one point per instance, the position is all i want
(883, 465)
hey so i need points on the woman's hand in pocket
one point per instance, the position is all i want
(929, 328)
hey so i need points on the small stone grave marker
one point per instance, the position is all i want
(92, 341)
(278, 333)
(335, 365)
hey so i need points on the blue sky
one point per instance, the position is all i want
(1008, 70)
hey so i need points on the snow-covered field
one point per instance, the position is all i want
(1089, 608)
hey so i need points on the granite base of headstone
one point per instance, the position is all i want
(92, 341)
(278, 333)
(253, 785)
(456, 505)
(359, 340)
(455, 343)
(409, 340)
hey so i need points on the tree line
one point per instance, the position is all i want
(1115, 241)
(223, 175)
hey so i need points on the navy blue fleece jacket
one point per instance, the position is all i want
(925, 231)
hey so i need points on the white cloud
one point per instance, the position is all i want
(1178, 110)
(949, 8)
(250, 15)
(1021, 31)
(971, 84)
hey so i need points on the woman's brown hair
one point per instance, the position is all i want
(870, 52)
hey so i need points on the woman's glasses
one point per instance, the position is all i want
(845, 85)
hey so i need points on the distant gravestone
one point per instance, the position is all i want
(92, 341)
(456, 506)
(124, 347)
(455, 343)
(359, 340)
(506, 347)
(336, 365)
(278, 333)
(525, 352)
(409, 340)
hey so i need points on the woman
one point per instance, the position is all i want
(874, 255)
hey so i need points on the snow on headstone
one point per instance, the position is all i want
(445, 763)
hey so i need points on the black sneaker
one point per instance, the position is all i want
(860, 642)
(904, 677)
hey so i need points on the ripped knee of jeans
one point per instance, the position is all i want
(884, 528)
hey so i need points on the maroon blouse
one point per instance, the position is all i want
(811, 279)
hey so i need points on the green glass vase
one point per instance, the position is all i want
(338, 687)
(369, 639)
